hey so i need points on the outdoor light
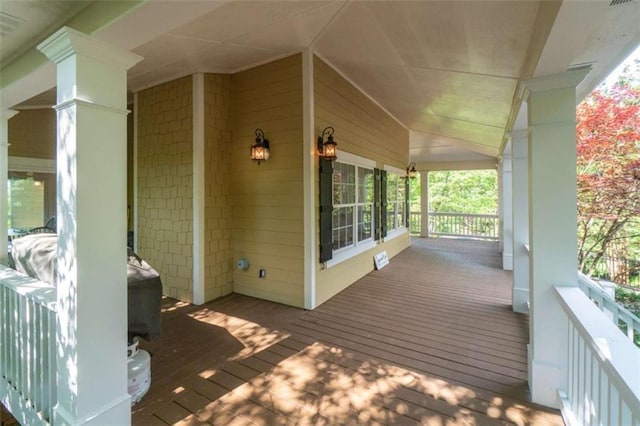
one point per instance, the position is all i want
(411, 170)
(260, 149)
(328, 149)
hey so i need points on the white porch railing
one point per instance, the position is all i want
(27, 347)
(484, 226)
(603, 375)
(619, 315)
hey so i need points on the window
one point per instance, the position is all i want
(30, 201)
(352, 221)
(396, 202)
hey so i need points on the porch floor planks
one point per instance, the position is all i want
(429, 339)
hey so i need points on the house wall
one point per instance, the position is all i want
(218, 139)
(32, 133)
(361, 128)
(165, 184)
(267, 199)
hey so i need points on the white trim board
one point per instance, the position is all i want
(36, 165)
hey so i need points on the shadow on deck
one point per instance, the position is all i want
(429, 339)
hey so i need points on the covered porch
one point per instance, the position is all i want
(429, 339)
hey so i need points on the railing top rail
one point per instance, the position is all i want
(617, 355)
(586, 282)
(489, 216)
(38, 291)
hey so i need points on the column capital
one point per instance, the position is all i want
(66, 42)
(518, 134)
(519, 143)
(565, 80)
(5, 115)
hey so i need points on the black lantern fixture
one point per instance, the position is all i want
(260, 149)
(329, 149)
(411, 171)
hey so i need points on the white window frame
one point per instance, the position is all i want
(357, 248)
(399, 230)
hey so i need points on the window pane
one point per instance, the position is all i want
(401, 202)
(344, 184)
(342, 227)
(392, 187)
(26, 203)
(391, 216)
(365, 185)
(364, 222)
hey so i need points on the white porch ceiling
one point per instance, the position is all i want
(449, 71)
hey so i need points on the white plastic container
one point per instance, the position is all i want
(139, 372)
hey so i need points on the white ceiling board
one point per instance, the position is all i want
(297, 32)
(449, 69)
(428, 147)
(355, 36)
(35, 20)
(195, 56)
(479, 37)
(591, 33)
(239, 18)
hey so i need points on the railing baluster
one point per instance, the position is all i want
(27, 338)
(602, 387)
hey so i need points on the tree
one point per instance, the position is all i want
(465, 191)
(608, 167)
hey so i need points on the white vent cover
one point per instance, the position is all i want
(619, 2)
(8, 24)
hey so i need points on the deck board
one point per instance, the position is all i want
(429, 339)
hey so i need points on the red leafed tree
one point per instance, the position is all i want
(608, 148)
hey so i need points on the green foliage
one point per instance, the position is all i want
(608, 168)
(465, 191)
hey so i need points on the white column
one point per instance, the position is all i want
(91, 279)
(4, 176)
(552, 226)
(520, 215)
(424, 204)
(506, 205)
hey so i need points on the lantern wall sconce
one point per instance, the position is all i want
(260, 149)
(329, 149)
(411, 171)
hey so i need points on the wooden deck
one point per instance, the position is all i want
(429, 339)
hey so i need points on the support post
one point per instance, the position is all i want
(506, 206)
(520, 215)
(4, 177)
(424, 204)
(552, 226)
(91, 308)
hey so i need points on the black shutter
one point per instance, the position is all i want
(406, 202)
(383, 202)
(376, 204)
(326, 210)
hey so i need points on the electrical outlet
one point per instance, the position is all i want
(262, 273)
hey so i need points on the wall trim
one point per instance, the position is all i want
(135, 171)
(348, 158)
(198, 295)
(395, 170)
(28, 164)
(309, 164)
